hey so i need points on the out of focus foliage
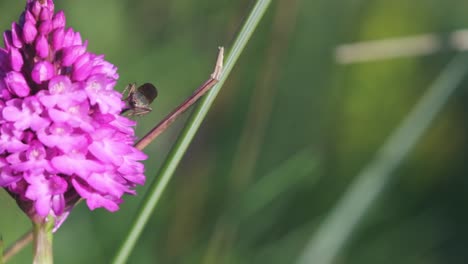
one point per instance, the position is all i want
(288, 133)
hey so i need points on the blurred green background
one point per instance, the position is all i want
(286, 137)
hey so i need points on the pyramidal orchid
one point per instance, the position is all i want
(62, 138)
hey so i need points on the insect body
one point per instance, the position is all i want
(139, 99)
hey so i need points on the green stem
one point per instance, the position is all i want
(42, 238)
(180, 147)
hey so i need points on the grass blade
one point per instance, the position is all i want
(180, 147)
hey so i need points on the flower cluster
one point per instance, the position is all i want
(62, 137)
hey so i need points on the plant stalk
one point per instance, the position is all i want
(42, 240)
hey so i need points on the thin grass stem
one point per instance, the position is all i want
(161, 181)
(22, 242)
(411, 46)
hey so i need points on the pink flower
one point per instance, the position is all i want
(61, 134)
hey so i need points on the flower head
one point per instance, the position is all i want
(62, 137)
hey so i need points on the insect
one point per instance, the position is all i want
(139, 99)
